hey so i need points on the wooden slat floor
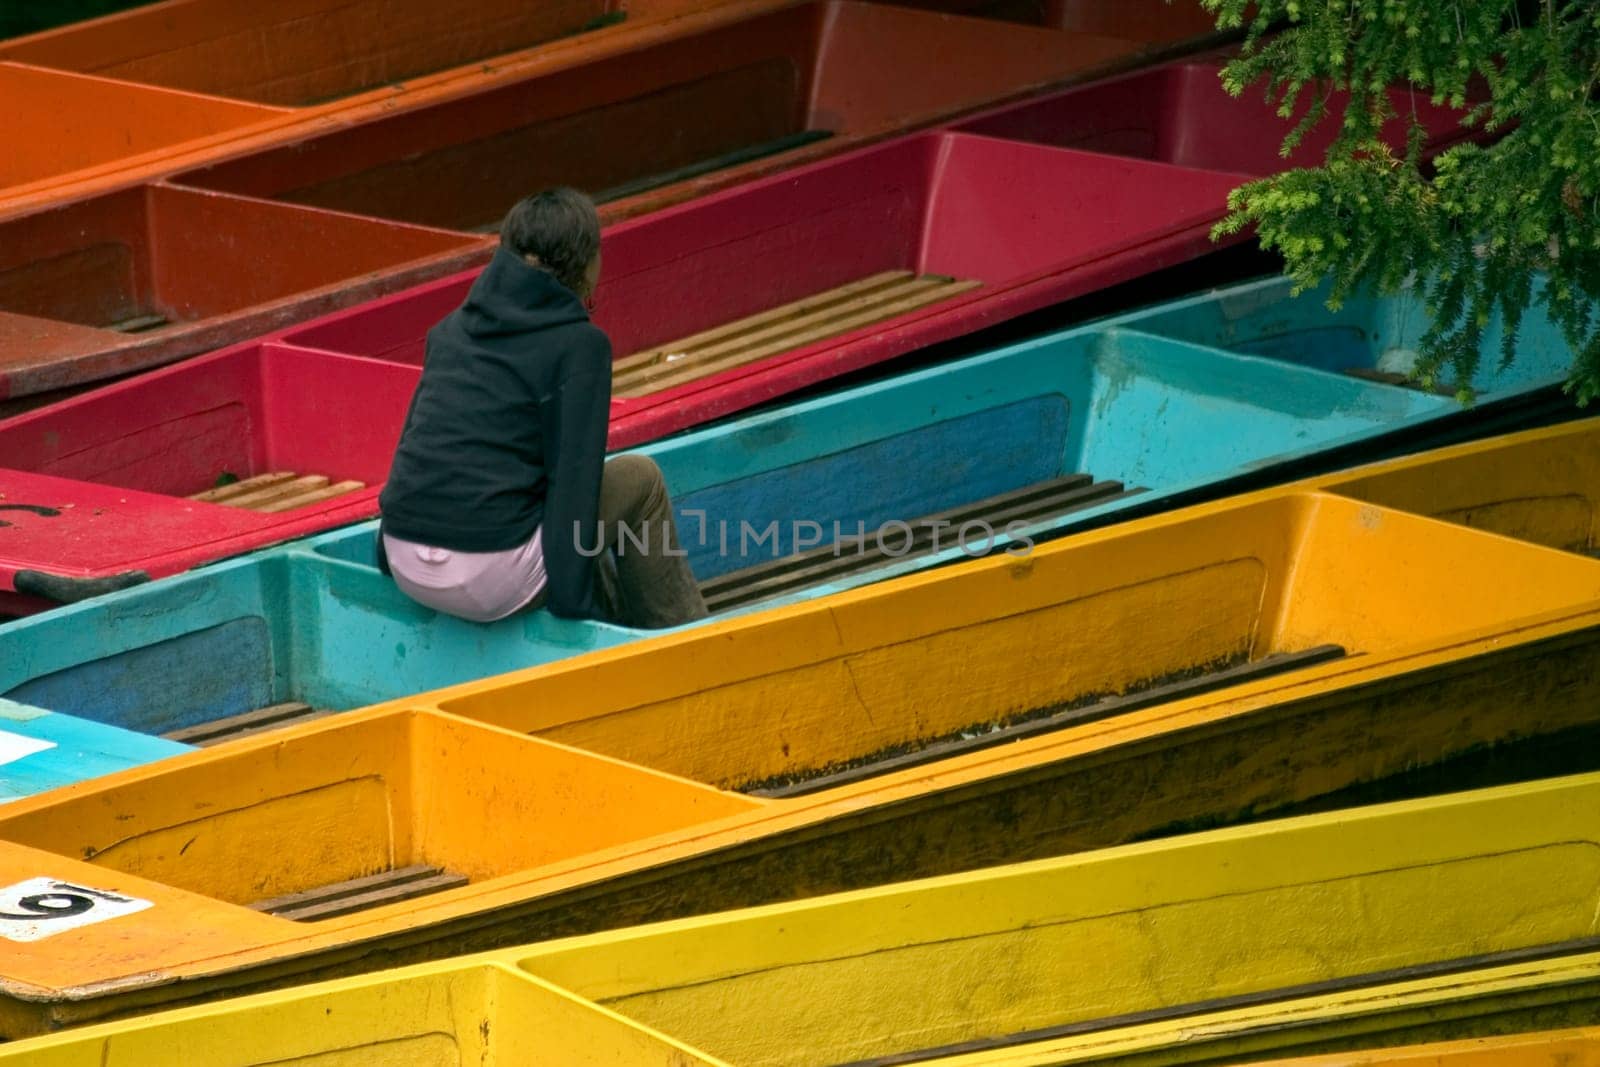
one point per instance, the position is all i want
(359, 894)
(244, 725)
(830, 562)
(277, 491)
(802, 322)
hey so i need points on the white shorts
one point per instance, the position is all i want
(477, 586)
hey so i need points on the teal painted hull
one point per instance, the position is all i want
(1166, 399)
(42, 750)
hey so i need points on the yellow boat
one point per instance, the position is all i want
(1538, 485)
(1038, 962)
(410, 831)
(1577, 1047)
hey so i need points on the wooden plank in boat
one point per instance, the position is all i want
(311, 495)
(747, 340)
(1032, 503)
(278, 491)
(251, 722)
(255, 499)
(224, 493)
(1395, 378)
(359, 894)
(673, 350)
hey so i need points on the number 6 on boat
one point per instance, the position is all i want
(36, 909)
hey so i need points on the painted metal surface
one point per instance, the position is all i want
(292, 95)
(1446, 663)
(1356, 901)
(41, 750)
(1104, 399)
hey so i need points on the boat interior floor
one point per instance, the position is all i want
(756, 337)
(358, 894)
(246, 724)
(850, 555)
(277, 491)
(1087, 708)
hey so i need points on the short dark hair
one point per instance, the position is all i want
(559, 226)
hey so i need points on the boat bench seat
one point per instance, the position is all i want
(794, 325)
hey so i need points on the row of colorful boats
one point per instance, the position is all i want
(167, 222)
(1082, 698)
(1208, 665)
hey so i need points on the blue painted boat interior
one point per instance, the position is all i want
(1163, 399)
(60, 749)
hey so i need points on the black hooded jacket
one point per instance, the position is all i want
(507, 429)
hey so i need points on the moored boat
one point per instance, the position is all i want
(980, 967)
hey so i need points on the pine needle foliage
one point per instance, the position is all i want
(1492, 221)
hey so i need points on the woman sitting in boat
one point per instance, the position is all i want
(500, 497)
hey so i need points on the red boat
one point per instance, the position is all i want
(134, 279)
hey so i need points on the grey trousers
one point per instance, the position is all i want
(639, 579)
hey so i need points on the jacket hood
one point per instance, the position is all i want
(511, 298)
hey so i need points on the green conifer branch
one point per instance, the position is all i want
(1486, 230)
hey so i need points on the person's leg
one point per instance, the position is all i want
(654, 586)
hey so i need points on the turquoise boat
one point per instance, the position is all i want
(41, 750)
(1084, 426)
